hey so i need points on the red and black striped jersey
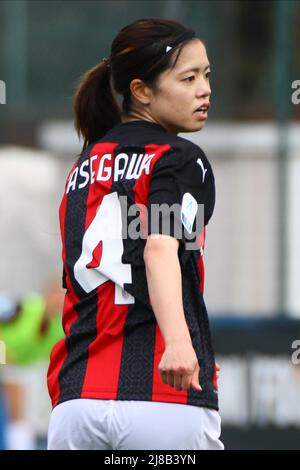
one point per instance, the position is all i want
(113, 345)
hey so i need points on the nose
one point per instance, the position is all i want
(203, 89)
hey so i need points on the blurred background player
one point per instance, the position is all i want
(28, 327)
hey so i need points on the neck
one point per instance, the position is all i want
(139, 116)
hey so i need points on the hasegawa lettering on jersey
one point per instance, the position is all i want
(132, 168)
(123, 168)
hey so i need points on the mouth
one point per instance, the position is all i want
(202, 111)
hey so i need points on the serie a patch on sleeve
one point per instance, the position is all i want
(8, 308)
(188, 212)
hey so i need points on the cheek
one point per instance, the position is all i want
(176, 99)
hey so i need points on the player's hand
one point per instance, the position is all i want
(179, 366)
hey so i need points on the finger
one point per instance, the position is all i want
(167, 377)
(178, 382)
(186, 382)
(163, 376)
(171, 379)
(195, 379)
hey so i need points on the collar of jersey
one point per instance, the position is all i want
(144, 124)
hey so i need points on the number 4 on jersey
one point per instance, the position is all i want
(105, 229)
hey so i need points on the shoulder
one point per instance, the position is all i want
(189, 150)
(184, 154)
(183, 148)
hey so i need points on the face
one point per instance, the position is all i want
(180, 102)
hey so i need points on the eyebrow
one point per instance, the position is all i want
(194, 69)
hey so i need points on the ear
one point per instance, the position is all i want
(140, 91)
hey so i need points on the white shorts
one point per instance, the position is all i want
(90, 424)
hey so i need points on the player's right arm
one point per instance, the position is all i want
(179, 366)
(176, 177)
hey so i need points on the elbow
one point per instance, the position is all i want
(160, 248)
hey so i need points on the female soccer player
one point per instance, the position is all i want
(136, 368)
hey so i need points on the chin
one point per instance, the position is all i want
(177, 128)
(200, 125)
(193, 128)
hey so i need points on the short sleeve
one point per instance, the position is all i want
(182, 195)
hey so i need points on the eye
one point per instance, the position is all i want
(207, 75)
(189, 79)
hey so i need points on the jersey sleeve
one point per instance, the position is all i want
(181, 195)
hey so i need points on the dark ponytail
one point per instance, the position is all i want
(143, 49)
(96, 110)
